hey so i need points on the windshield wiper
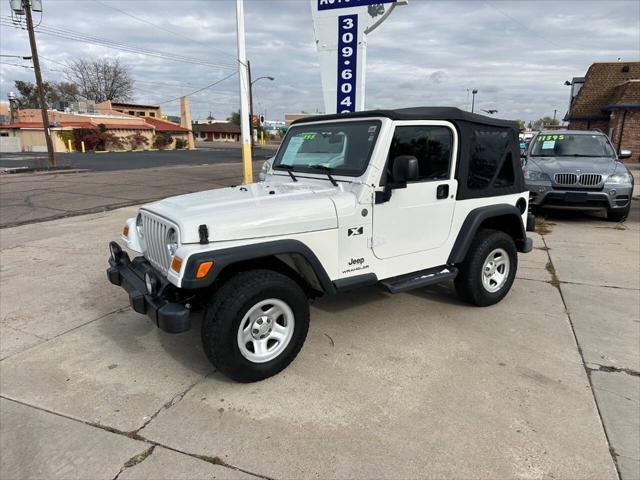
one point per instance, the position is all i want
(289, 169)
(326, 170)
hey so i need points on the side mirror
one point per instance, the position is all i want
(624, 154)
(405, 169)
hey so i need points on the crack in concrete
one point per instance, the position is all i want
(135, 460)
(610, 369)
(135, 436)
(117, 310)
(555, 281)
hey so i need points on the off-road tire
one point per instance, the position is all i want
(469, 284)
(618, 215)
(225, 311)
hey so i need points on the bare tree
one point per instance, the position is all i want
(100, 80)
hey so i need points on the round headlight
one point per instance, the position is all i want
(139, 227)
(172, 241)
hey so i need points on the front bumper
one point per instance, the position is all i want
(130, 275)
(606, 198)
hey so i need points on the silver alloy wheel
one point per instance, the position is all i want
(495, 270)
(265, 330)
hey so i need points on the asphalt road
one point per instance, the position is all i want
(111, 161)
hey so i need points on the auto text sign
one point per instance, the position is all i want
(333, 4)
(347, 62)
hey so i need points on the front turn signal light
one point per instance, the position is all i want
(125, 231)
(176, 264)
(203, 269)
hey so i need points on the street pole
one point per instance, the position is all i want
(554, 115)
(36, 68)
(473, 99)
(250, 104)
(244, 96)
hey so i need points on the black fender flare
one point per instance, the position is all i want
(472, 223)
(228, 256)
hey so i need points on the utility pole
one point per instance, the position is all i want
(250, 104)
(36, 67)
(245, 86)
(554, 115)
(473, 99)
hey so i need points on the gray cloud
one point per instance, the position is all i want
(516, 53)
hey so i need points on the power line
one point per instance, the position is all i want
(164, 29)
(76, 36)
(200, 89)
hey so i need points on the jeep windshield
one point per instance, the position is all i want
(343, 148)
(571, 145)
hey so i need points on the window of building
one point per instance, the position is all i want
(131, 112)
(140, 114)
(431, 145)
(152, 114)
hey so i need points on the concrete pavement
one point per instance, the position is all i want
(386, 386)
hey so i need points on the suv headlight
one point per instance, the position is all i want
(618, 178)
(536, 176)
(139, 227)
(172, 241)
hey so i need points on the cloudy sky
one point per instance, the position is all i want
(516, 53)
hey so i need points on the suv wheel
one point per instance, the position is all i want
(618, 215)
(488, 271)
(255, 325)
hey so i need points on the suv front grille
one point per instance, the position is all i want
(155, 248)
(573, 180)
(590, 179)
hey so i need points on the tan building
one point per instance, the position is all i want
(291, 117)
(217, 132)
(28, 129)
(133, 109)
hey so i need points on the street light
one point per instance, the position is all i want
(17, 56)
(251, 82)
(473, 99)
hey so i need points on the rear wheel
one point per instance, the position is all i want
(255, 325)
(488, 271)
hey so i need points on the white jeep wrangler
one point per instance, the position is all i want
(400, 198)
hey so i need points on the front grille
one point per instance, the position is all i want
(590, 179)
(565, 178)
(155, 234)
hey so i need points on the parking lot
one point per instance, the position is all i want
(544, 385)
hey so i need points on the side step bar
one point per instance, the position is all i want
(423, 278)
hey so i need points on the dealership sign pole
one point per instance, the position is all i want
(340, 28)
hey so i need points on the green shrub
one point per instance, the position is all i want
(137, 140)
(162, 140)
(181, 143)
(65, 136)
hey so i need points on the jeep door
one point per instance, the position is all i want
(418, 217)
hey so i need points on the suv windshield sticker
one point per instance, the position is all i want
(548, 144)
(292, 150)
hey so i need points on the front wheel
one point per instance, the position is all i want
(255, 325)
(488, 271)
(618, 215)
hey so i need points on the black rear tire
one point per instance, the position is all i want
(229, 306)
(469, 282)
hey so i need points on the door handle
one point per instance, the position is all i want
(442, 191)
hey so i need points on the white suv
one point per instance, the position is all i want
(400, 198)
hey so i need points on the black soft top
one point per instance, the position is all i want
(488, 151)
(452, 114)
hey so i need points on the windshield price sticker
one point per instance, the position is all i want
(543, 138)
(548, 144)
(291, 151)
(333, 4)
(347, 61)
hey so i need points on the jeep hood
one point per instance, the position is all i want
(551, 165)
(250, 211)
